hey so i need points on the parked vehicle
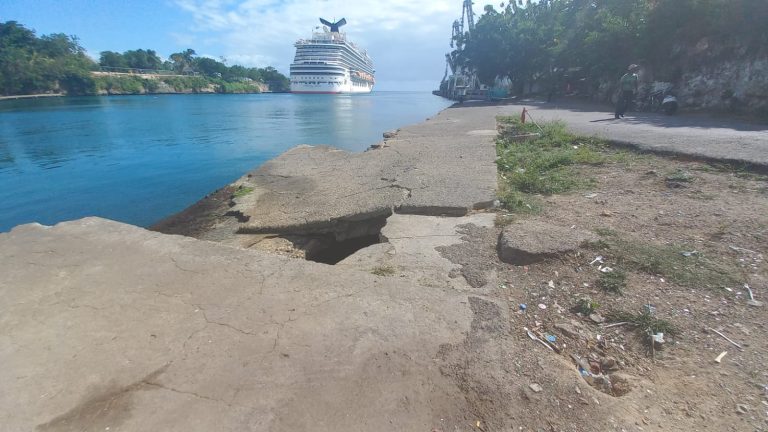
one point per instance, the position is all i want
(662, 99)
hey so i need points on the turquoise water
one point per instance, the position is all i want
(138, 159)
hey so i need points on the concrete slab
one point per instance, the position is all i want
(411, 248)
(105, 326)
(442, 166)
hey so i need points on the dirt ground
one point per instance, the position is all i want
(696, 211)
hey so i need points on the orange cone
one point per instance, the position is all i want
(522, 116)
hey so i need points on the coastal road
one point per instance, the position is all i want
(699, 136)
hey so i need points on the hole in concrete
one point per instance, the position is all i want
(331, 251)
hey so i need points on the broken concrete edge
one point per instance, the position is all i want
(346, 227)
(734, 163)
(358, 225)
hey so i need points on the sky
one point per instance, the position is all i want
(407, 39)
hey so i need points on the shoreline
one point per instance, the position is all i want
(32, 96)
(339, 196)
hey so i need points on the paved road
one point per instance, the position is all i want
(695, 135)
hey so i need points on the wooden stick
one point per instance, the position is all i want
(616, 324)
(726, 338)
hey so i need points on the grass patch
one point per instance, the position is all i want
(544, 164)
(645, 322)
(667, 261)
(614, 281)
(679, 176)
(242, 191)
(383, 271)
(586, 306)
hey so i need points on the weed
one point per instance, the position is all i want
(645, 322)
(614, 281)
(383, 271)
(541, 165)
(517, 201)
(242, 191)
(667, 261)
(679, 176)
(606, 232)
(586, 306)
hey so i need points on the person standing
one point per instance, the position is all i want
(628, 85)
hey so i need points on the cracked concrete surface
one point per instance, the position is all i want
(442, 166)
(106, 325)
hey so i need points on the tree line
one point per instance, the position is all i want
(544, 42)
(58, 63)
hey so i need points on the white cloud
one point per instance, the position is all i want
(406, 39)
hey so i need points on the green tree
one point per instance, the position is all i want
(112, 59)
(183, 61)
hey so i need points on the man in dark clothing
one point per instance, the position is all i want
(628, 86)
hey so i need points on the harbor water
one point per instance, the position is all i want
(138, 159)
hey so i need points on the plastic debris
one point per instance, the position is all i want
(597, 318)
(535, 387)
(592, 195)
(689, 254)
(598, 259)
(752, 301)
(542, 306)
(658, 338)
(533, 337)
(551, 338)
(551, 284)
(719, 358)
(605, 269)
(523, 307)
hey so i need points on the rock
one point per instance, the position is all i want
(609, 363)
(528, 242)
(755, 303)
(535, 387)
(742, 409)
(389, 134)
(597, 318)
(568, 330)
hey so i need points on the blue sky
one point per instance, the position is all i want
(407, 40)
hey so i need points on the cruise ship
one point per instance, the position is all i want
(329, 63)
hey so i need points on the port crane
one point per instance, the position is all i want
(463, 81)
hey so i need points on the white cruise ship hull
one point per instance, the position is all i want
(319, 87)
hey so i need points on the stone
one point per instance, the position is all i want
(755, 303)
(597, 318)
(529, 242)
(609, 363)
(568, 330)
(536, 388)
(742, 409)
(389, 134)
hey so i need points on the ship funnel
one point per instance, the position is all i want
(334, 26)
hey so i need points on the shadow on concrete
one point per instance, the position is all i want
(684, 120)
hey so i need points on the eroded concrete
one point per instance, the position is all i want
(107, 325)
(444, 166)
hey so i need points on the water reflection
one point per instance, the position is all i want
(139, 158)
